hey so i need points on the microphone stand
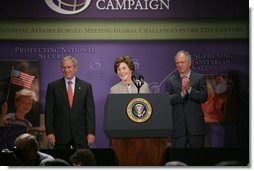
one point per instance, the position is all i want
(138, 82)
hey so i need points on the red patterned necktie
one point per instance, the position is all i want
(70, 94)
(184, 80)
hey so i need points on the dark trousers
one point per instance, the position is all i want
(70, 145)
(192, 141)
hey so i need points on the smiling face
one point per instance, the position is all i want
(124, 72)
(24, 104)
(69, 69)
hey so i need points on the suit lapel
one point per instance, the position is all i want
(63, 91)
(178, 82)
(78, 89)
(192, 78)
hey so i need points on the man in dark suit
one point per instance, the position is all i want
(187, 90)
(70, 109)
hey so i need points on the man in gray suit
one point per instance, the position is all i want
(187, 90)
(70, 109)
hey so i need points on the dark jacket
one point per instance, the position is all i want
(187, 112)
(65, 122)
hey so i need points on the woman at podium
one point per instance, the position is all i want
(124, 68)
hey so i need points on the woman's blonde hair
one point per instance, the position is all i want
(25, 93)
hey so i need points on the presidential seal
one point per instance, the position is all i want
(139, 110)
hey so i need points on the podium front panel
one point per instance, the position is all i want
(117, 123)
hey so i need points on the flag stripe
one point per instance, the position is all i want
(20, 83)
(22, 79)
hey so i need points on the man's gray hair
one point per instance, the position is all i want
(186, 53)
(69, 57)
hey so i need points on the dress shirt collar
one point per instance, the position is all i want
(72, 80)
(188, 75)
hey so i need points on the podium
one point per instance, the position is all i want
(139, 137)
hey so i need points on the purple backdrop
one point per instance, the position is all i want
(153, 59)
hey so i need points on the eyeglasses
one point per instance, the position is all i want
(181, 62)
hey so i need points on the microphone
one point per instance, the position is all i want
(133, 78)
(138, 82)
(141, 78)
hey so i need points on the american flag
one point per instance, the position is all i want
(21, 79)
